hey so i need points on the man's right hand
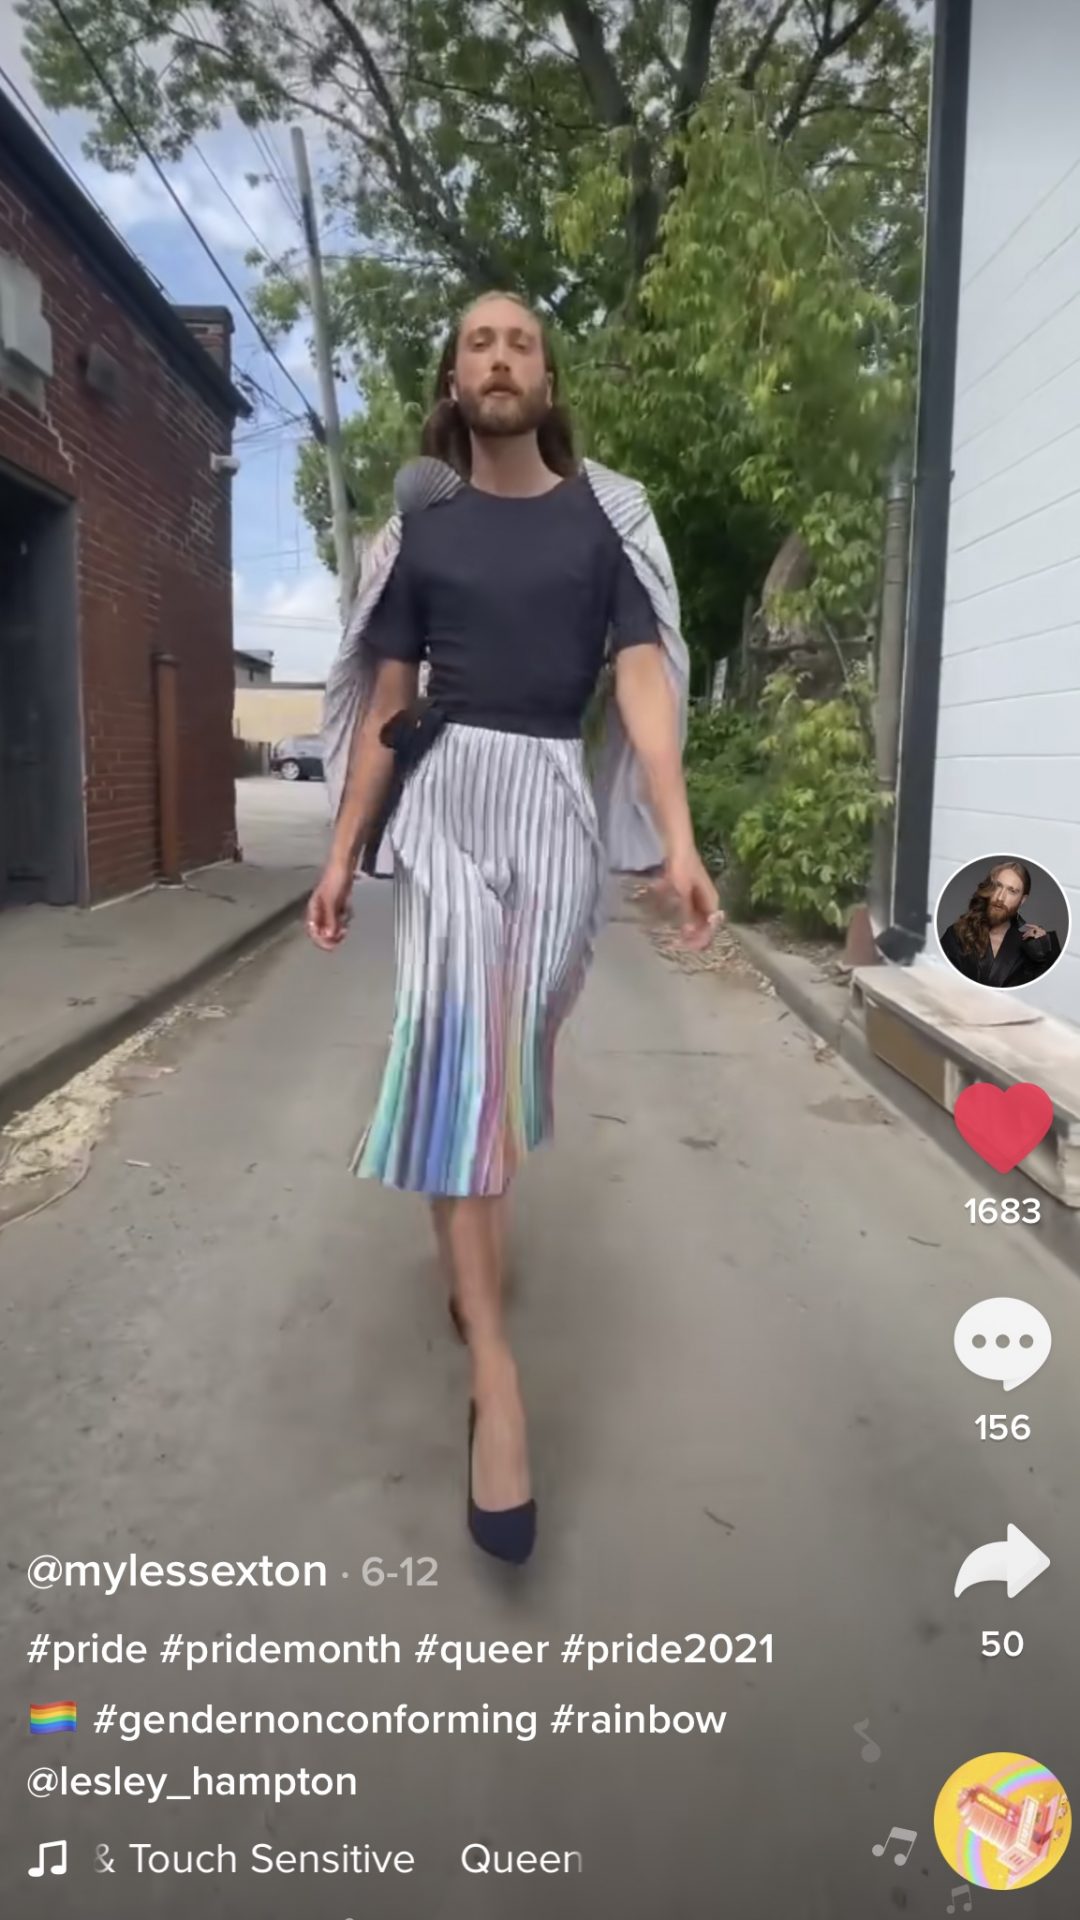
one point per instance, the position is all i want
(329, 913)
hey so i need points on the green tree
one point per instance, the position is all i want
(763, 381)
(375, 443)
(456, 125)
(558, 149)
(802, 847)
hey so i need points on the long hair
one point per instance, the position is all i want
(972, 927)
(445, 434)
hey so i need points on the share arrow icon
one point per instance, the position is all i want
(1016, 1561)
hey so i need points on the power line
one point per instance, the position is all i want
(60, 11)
(271, 430)
(237, 209)
(28, 109)
(241, 377)
(214, 175)
(267, 446)
(245, 379)
(275, 169)
(196, 17)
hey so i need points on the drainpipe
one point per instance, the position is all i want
(167, 714)
(889, 679)
(909, 914)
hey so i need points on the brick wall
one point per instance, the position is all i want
(154, 558)
(208, 326)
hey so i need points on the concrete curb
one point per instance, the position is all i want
(813, 1009)
(1059, 1225)
(35, 1082)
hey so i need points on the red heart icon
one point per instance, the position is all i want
(1003, 1126)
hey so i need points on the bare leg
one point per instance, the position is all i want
(440, 1218)
(474, 1235)
(497, 1219)
(441, 1222)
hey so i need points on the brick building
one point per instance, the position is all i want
(116, 412)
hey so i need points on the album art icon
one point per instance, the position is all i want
(1002, 1821)
(1002, 922)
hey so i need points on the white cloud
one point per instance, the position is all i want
(297, 619)
(295, 351)
(312, 597)
(12, 30)
(139, 199)
(130, 200)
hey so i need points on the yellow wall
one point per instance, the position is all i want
(270, 713)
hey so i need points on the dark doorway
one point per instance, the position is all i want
(41, 819)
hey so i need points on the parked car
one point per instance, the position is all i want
(298, 758)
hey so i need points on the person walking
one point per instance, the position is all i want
(521, 578)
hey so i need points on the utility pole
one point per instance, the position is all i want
(339, 501)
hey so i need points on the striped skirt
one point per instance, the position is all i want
(498, 880)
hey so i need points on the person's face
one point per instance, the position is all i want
(499, 380)
(1006, 897)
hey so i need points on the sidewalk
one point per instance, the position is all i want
(76, 982)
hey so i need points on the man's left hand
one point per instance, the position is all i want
(1033, 933)
(694, 898)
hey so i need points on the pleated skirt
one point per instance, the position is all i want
(498, 882)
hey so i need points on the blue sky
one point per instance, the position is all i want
(284, 598)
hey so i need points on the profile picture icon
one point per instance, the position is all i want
(1002, 922)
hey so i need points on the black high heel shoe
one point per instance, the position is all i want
(510, 1532)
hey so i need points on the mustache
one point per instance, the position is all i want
(501, 386)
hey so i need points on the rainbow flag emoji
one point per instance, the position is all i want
(56, 1716)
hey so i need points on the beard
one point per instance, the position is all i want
(504, 415)
(997, 916)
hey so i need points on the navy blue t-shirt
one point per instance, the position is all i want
(514, 601)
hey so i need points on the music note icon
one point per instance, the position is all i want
(45, 1848)
(896, 1833)
(871, 1750)
(966, 1891)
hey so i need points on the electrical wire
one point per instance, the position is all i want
(28, 110)
(237, 209)
(58, 8)
(197, 18)
(271, 430)
(244, 378)
(269, 446)
(200, 155)
(276, 172)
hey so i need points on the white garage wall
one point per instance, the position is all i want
(1007, 777)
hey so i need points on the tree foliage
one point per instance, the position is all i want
(375, 443)
(803, 847)
(764, 379)
(456, 125)
(715, 202)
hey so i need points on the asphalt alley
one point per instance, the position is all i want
(735, 1282)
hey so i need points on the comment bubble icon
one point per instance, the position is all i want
(1003, 1339)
